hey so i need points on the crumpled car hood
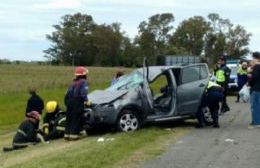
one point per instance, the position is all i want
(105, 96)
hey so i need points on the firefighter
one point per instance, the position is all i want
(54, 121)
(27, 133)
(242, 78)
(211, 99)
(75, 99)
(222, 73)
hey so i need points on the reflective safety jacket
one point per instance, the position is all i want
(212, 86)
(220, 75)
(54, 121)
(78, 91)
(26, 134)
(242, 71)
(223, 74)
(242, 77)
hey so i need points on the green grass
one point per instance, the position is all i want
(126, 149)
(17, 78)
(12, 107)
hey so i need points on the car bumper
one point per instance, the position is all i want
(101, 115)
(232, 86)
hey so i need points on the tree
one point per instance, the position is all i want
(224, 37)
(78, 40)
(107, 42)
(72, 40)
(154, 35)
(131, 55)
(190, 35)
(237, 42)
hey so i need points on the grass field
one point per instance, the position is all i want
(125, 150)
(50, 81)
(17, 78)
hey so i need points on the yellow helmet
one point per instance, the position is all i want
(51, 106)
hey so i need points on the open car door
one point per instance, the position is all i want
(147, 96)
(194, 80)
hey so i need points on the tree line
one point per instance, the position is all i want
(79, 40)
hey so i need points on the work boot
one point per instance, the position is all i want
(74, 137)
(208, 123)
(66, 137)
(199, 126)
(225, 109)
(8, 149)
(216, 126)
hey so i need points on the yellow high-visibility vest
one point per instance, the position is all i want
(220, 75)
(211, 84)
(241, 71)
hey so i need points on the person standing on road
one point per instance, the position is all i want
(211, 99)
(254, 82)
(75, 99)
(222, 73)
(242, 78)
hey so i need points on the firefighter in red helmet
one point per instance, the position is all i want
(75, 99)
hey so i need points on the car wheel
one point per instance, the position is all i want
(207, 115)
(128, 121)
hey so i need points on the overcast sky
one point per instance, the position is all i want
(25, 23)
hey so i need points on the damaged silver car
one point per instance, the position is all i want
(149, 94)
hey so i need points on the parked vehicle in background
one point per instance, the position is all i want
(149, 94)
(232, 84)
(170, 60)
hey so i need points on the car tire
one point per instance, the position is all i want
(207, 115)
(127, 121)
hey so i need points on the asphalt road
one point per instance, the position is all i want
(233, 145)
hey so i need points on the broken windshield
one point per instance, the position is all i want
(127, 81)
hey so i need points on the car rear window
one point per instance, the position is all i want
(194, 73)
(190, 74)
(204, 72)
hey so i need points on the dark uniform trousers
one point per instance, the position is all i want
(224, 106)
(73, 118)
(213, 99)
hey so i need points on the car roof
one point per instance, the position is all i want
(154, 71)
(232, 65)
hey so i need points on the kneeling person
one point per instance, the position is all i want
(54, 121)
(214, 96)
(27, 133)
(211, 99)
